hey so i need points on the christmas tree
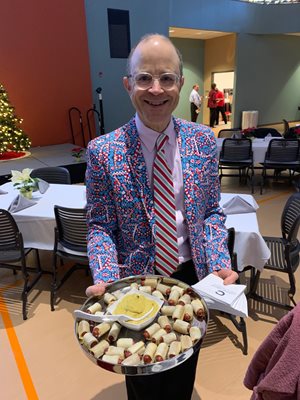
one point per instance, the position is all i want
(12, 137)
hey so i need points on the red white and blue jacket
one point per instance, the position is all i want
(121, 218)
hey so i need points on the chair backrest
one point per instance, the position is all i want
(236, 149)
(227, 133)
(10, 236)
(52, 175)
(290, 218)
(283, 150)
(286, 127)
(71, 228)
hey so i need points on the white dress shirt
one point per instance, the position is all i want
(148, 140)
(195, 98)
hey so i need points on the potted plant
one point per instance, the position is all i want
(24, 182)
(77, 153)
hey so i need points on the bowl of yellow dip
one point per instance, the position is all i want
(135, 304)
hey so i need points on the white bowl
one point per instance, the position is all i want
(137, 325)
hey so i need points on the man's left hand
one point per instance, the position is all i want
(228, 275)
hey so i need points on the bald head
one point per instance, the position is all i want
(154, 41)
(155, 56)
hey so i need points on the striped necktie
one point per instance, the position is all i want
(166, 256)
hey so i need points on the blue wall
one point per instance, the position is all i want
(268, 77)
(193, 58)
(235, 16)
(267, 66)
(145, 17)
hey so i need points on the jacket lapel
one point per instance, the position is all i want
(138, 170)
(187, 152)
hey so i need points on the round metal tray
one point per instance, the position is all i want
(144, 369)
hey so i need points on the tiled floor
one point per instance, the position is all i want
(40, 357)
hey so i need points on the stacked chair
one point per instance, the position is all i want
(237, 154)
(284, 253)
(13, 255)
(52, 175)
(282, 154)
(70, 244)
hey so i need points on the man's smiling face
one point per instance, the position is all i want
(154, 105)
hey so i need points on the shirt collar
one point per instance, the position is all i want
(149, 136)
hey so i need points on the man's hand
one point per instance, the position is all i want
(96, 290)
(228, 275)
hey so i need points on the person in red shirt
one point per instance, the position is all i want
(220, 106)
(212, 105)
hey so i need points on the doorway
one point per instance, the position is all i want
(225, 82)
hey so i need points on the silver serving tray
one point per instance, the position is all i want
(144, 369)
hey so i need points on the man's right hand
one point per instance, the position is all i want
(96, 290)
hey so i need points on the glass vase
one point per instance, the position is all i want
(26, 193)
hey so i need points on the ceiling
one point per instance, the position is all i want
(186, 33)
(194, 33)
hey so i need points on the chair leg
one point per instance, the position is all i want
(26, 287)
(24, 301)
(37, 254)
(241, 327)
(25, 290)
(292, 289)
(53, 284)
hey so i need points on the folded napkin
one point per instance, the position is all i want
(236, 135)
(238, 205)
(3, 191)
(268, 137)
(43, 186)
(20, 203)
(227, 298)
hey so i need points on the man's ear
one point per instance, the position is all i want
(127, 85)
(181, 81)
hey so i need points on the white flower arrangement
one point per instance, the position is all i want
(23, 181)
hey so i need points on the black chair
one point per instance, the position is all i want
(70, 236)
(296, 183)
(52, 175)
(237, 154)
(284, 252)
(240, 323)
(12, 251)
(228, 133)
(282, 154)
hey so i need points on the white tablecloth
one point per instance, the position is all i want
(259, 148)
(37, 222)
(250, 246)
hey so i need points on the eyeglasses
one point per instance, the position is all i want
(144, 80)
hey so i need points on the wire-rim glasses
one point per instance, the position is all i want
(145, 80)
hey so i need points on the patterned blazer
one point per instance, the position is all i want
(121, 219)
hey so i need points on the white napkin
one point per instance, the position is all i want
(3, 191)
(227, 298)
(236, 135)
(268, 137)
(20, 203)
(43, 186)
(238, 205)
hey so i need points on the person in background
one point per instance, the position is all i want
(279, 352)
(195, 100)
(122, 214)
(212, 105)
(220, 106)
